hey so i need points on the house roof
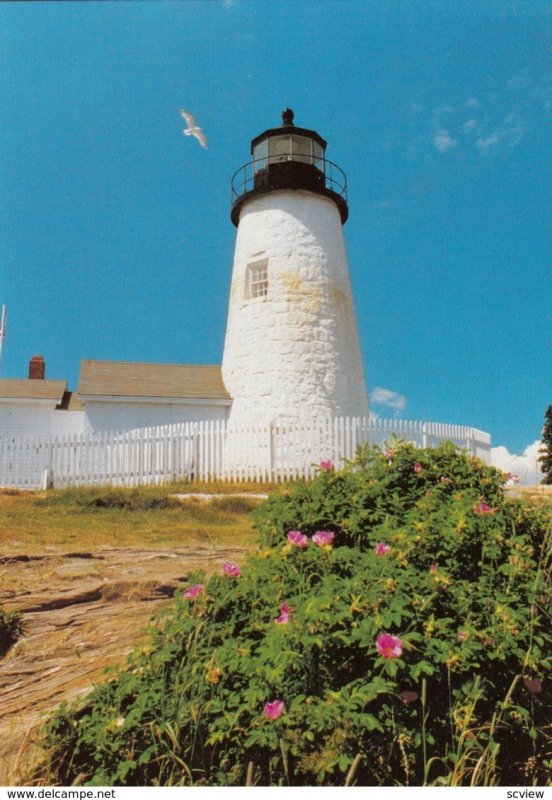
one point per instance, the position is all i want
(126, 379)
(32, 389)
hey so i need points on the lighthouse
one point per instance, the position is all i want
(292, 349)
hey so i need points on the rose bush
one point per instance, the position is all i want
(396, 618)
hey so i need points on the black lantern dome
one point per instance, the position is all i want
(289, 157)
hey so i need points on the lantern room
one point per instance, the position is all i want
(288, 143)
(289, 157)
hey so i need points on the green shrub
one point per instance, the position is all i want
(11, 628)
(415, 646)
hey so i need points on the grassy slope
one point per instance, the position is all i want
(33, 523)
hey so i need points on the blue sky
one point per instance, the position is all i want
(116, 239)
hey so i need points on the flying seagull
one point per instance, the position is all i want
(192, 129)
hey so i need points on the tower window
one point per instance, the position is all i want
(257, 279)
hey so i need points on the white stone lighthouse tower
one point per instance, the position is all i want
(291, 350)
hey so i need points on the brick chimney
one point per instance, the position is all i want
(37, 368)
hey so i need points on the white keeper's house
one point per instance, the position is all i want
(291, 351)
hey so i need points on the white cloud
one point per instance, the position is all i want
(488, 125)
(473, 124)
(469, 126)
(443, 141)
(442, 138)
(489, 141)
(386, 397)
(525, 464)
(510, 132)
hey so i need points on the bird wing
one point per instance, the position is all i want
(189, 118)
(200, 136)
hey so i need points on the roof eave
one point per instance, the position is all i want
(119, 398)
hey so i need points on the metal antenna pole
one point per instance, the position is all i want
(2, 330)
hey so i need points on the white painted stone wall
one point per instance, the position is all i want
(294, 353)
(128, 416)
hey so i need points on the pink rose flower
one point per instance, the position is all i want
(193, 591)
(408, 697)
(285, 614)
(534, 685)
(323, 538)
(231, 569)
(483, 508)
(274, 709)
(417, 467)
(382, 549)
(388, 646)
(298, 539)
(433, 569)
(326, 466)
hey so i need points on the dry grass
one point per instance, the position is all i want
(220, 487)
(539, 494)
(85, 520)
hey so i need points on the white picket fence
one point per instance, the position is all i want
(211, 451)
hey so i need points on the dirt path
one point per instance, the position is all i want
(82, 613)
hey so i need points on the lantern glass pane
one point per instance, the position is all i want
(279, 149)
(260, 154)
(301, 148)
(318, 152)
